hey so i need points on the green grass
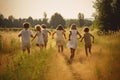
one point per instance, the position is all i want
(27, 67)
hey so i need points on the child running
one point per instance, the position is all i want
(39, 34)
(59, 37)
(73, 41)
(25, 35)
(87, 39)
(45, 32)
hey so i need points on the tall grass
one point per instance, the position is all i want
(102, 65)
(19, 66)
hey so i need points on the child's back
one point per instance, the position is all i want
(25, 35)
(87, 38)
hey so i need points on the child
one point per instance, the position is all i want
(39, 34)
(73, 42)
(59, 37)
(45, 32)
(87, 40)
(25, 37)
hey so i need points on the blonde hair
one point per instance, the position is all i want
(73, 26)
(37, 27)
(59, 27)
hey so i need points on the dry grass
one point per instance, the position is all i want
(102, 65)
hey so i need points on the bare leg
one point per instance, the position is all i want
(58, 48)
(62, 48)
(90, 50)
(86, 51)
(72, 55)
(45, 45)
(28, 49)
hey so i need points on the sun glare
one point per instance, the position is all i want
(36, 8)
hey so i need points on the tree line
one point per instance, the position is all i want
(55, 20)
(107, 15)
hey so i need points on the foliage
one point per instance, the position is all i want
(57, 19)
(108, 14)
(81, 19)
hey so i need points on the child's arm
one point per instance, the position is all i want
(31, 35)
(19, 35)
(64, 35)
(34, 37)
(53, 35)
(69, 35)
(92, 37)
(79, 34)
(49, 32)
(81, 39)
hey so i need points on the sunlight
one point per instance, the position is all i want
(36, 8)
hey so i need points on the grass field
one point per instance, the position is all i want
(48, 64)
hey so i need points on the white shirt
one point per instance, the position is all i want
(25, 35)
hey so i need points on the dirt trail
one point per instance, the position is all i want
(82, 67)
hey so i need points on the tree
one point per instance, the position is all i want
(81, 19)
(108, 14)
(30, 20)
(1, 20)
(10, 21)
(71, 21)
(57, 19)
(45, 20)
(116, 13)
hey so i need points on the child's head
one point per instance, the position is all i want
(38, 27)
(59, 27)
(43, 26)
(86, 30)
(73, 27)
(26, 25)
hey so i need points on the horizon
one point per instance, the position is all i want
(36, 8)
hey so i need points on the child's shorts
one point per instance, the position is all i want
(25, 45)
(88, 45)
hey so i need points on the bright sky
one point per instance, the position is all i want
(36, 8)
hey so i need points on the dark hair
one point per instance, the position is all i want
(59, 27)
(43, 26)
(86, 30)
(26, 24)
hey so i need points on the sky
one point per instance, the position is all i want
(69, 9)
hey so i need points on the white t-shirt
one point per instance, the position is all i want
(25, 35)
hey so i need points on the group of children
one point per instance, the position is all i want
(42, 38)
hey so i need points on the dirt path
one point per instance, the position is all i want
(82, 67)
